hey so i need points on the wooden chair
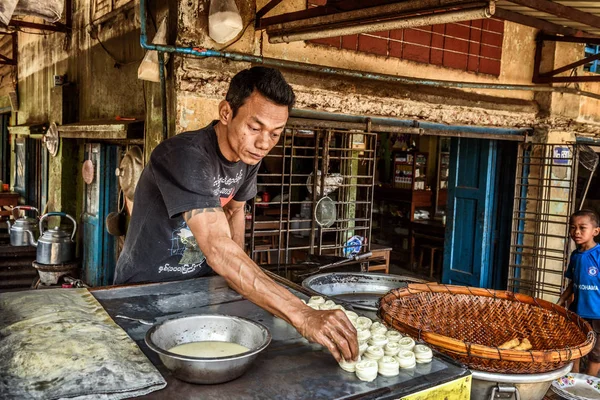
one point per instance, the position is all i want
(432, 256)
(262, 253)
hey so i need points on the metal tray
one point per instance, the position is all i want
(362, 290)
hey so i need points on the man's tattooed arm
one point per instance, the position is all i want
(189, 214)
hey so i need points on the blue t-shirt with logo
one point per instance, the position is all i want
(584, 271)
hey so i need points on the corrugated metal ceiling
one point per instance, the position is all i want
(590, 6)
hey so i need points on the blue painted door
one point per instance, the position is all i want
(99, 247)
(469, 227)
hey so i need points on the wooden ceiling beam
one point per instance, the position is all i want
(562, 11)
(545, 26)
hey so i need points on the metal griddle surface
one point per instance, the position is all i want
(290, 368)
(363, 290)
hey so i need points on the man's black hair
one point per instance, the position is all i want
(587, 213)
(267, 81)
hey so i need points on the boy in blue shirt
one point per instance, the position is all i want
(584, 273)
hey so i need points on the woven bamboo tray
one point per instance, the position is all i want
(469, 323)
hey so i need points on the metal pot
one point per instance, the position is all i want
(18, 230)
(490, 386)
(222, 328)
(54, 246)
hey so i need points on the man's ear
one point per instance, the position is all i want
(225, 112)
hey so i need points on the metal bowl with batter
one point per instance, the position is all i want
(199, 328)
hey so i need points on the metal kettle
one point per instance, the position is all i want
(55, 246)
(18, 229)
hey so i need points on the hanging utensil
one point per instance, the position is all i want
(339, 263)
(325, 212)
(116, 221)
(129, 171)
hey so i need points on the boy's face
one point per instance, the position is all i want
(583, 231)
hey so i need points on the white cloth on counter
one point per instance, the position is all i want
(61, 343)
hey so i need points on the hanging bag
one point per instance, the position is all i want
(224, 20)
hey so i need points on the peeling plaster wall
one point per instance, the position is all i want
(101, 62)
(106, 87)
(195, 81)
(589, 109)
(208, 79)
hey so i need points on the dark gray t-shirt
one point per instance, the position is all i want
(185, 172)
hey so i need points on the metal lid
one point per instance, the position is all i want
(55, 234)
(25, 223)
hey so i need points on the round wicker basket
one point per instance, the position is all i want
(469, 324)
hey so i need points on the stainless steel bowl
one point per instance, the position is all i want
(362, 289)
(196, 328)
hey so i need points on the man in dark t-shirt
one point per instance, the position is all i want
(184, 173)
(188, 215)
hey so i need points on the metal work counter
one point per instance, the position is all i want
(290, 368)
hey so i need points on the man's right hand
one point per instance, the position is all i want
(331, 329)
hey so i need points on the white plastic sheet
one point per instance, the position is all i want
(224, 20)
(49, 10)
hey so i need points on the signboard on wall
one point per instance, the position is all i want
(562, 155)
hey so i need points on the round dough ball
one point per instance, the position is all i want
(406, 343)
(393, 336)
(378, 340)
(328, 305)
(363, 323)
(362, 347)
(349, 366)
(316, 300)
(406, 359)
(373, 353)
(388, 366)
(363, 335)
(378, 328)
(366, 370)
(391, 349)
(423, 354)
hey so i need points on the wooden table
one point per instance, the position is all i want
(432, 231)
(8, 199)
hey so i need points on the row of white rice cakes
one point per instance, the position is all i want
(382, 351)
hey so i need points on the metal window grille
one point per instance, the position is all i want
(544, 194)
(342, 158)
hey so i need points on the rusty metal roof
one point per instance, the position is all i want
(565, 13)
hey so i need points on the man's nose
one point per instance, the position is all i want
(262, 142)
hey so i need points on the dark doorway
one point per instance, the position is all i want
(4, 148)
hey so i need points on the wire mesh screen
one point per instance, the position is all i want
(315, 192)
(544, 192)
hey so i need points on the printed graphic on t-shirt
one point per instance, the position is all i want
(592, 270)
(177, 245)
(184, 243)
(224, 186)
